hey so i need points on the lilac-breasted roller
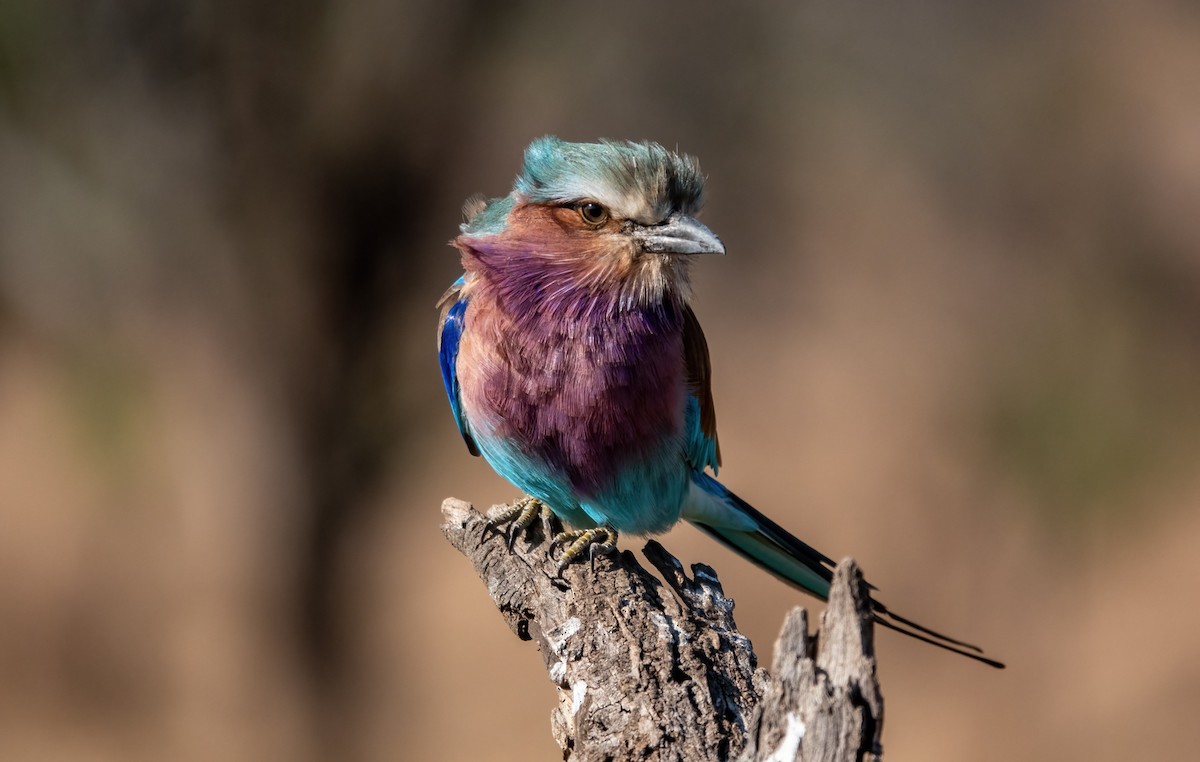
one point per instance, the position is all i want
(576, 367)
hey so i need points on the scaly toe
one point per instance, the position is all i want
(605, 548)
(519, 516)
(597, 541)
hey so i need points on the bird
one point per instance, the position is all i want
(575, 365)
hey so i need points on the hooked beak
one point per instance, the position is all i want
(678, 235)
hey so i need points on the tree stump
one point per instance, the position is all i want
(647, 673)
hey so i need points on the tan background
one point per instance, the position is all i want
(957, 336)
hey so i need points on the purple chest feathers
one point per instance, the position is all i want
(585, 397)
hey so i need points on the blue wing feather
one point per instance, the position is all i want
(449, 335)
(701, 448)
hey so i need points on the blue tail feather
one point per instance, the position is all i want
(737, 525)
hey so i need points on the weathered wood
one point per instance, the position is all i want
(647, 674)
(826, 709)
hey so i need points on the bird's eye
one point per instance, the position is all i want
(593, 213)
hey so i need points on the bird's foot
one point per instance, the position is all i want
(600, 541)
(519, 516)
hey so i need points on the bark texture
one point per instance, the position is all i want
(647, 673)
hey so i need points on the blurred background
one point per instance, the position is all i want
(957, 335)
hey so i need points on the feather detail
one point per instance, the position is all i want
(474, 204)
(638, 181)
(705, 450)
(588, 397)
(454, 307)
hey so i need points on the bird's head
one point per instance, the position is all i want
(616, 218)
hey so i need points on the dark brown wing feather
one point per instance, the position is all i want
(699, 376)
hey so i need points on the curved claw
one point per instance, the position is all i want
(519, 516)
(596, 541)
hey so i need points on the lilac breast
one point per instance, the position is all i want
(587, 395)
